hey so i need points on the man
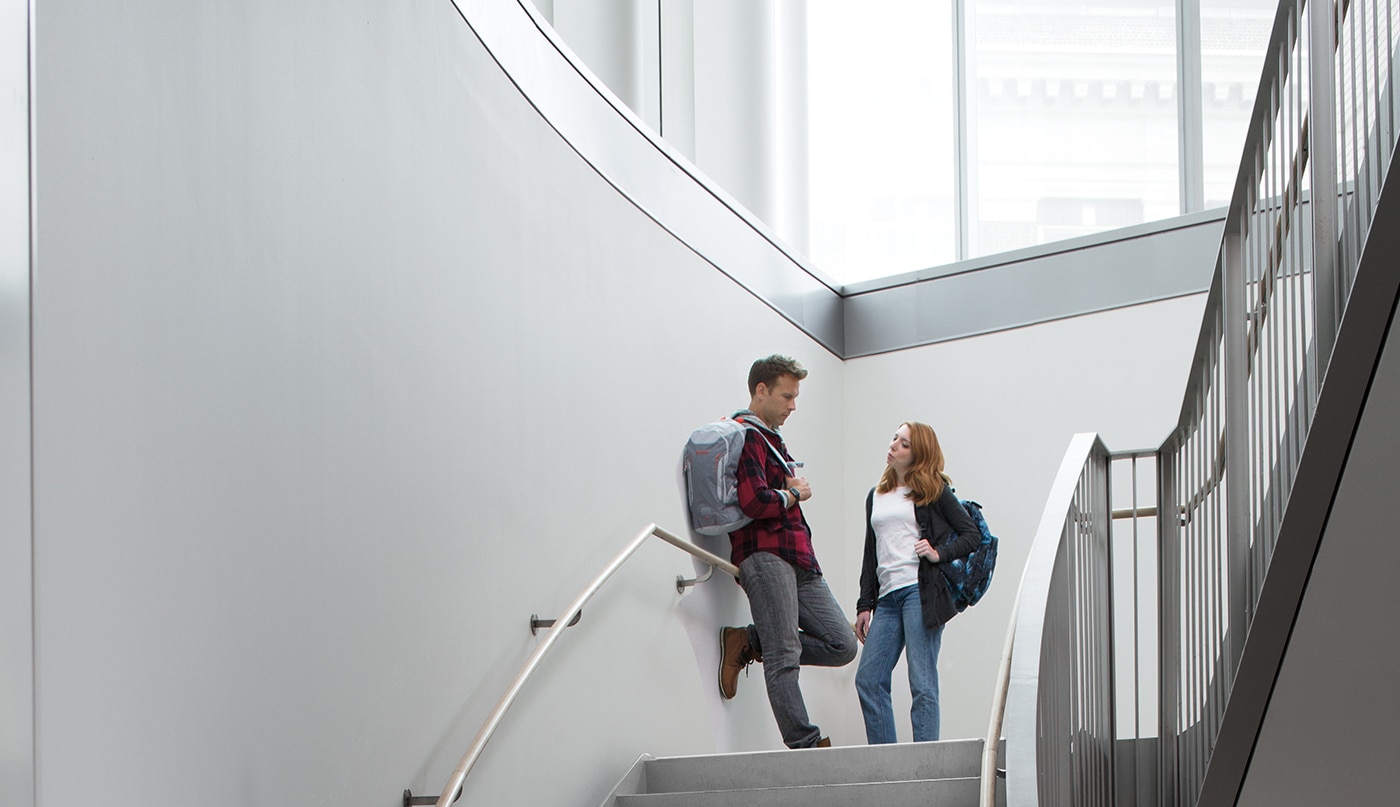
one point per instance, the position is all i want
(795, 618)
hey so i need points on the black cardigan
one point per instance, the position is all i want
(950, 530)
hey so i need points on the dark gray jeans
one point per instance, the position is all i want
(795, 621)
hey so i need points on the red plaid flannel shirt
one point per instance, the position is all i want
(780, 530)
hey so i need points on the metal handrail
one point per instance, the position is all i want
(1024, 691)
(1072, 468)
(459, 776)
(991, 749)
(1300, 226)
(1323, 133)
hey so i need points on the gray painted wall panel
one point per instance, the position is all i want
(1329, 732)
(1039, 288)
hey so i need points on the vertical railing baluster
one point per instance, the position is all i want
(1166, 694)
(1388, 100)
(1236, 396)
(1108, 661)
(1322, 148)
(1363, 123)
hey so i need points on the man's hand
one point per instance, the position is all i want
(804, 490)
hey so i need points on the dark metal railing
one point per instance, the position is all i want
(1321, 140)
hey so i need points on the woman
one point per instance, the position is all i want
(913, 522)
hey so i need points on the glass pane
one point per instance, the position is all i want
(1234, 34)
(880, 100)
(1073, 119)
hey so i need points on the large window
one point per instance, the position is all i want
(882, 136)
(940, 130)
(1234, 34)
(1073, 115)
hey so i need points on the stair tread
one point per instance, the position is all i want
(894, 748)
(912, 792)
(813, 767)
(819, 786)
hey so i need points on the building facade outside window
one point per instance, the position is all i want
(1071, 123)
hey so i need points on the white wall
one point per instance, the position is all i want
(345, 364)
(1005, 407)
(618, 42)
(16, 600)
(733, 77)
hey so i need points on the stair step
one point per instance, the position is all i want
(903, 762)
(915, 793)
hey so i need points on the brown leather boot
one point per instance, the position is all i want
(824, 742)
(735, 654)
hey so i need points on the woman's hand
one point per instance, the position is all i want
(862, 625)
(925, 550)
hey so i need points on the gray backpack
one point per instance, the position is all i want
(710, 459)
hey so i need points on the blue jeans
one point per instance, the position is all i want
(795, 621)
(898, 622)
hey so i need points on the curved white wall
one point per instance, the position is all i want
(16, 516)
(345, 363)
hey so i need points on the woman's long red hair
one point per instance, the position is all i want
(925, 478)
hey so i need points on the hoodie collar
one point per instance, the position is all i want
(755, 420)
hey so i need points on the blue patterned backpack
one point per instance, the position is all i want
(969, 577)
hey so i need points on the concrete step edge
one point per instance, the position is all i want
(779, 752)
(824, 786)
(840, 765)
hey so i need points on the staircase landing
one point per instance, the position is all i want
(943, 773)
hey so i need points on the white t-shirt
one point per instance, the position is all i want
(896, 532)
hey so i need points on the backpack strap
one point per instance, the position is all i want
(783, 461)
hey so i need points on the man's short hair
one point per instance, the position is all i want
(768, 371)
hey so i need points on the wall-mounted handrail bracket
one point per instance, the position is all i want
(682, 583)
(536, 624)
(410, 800)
